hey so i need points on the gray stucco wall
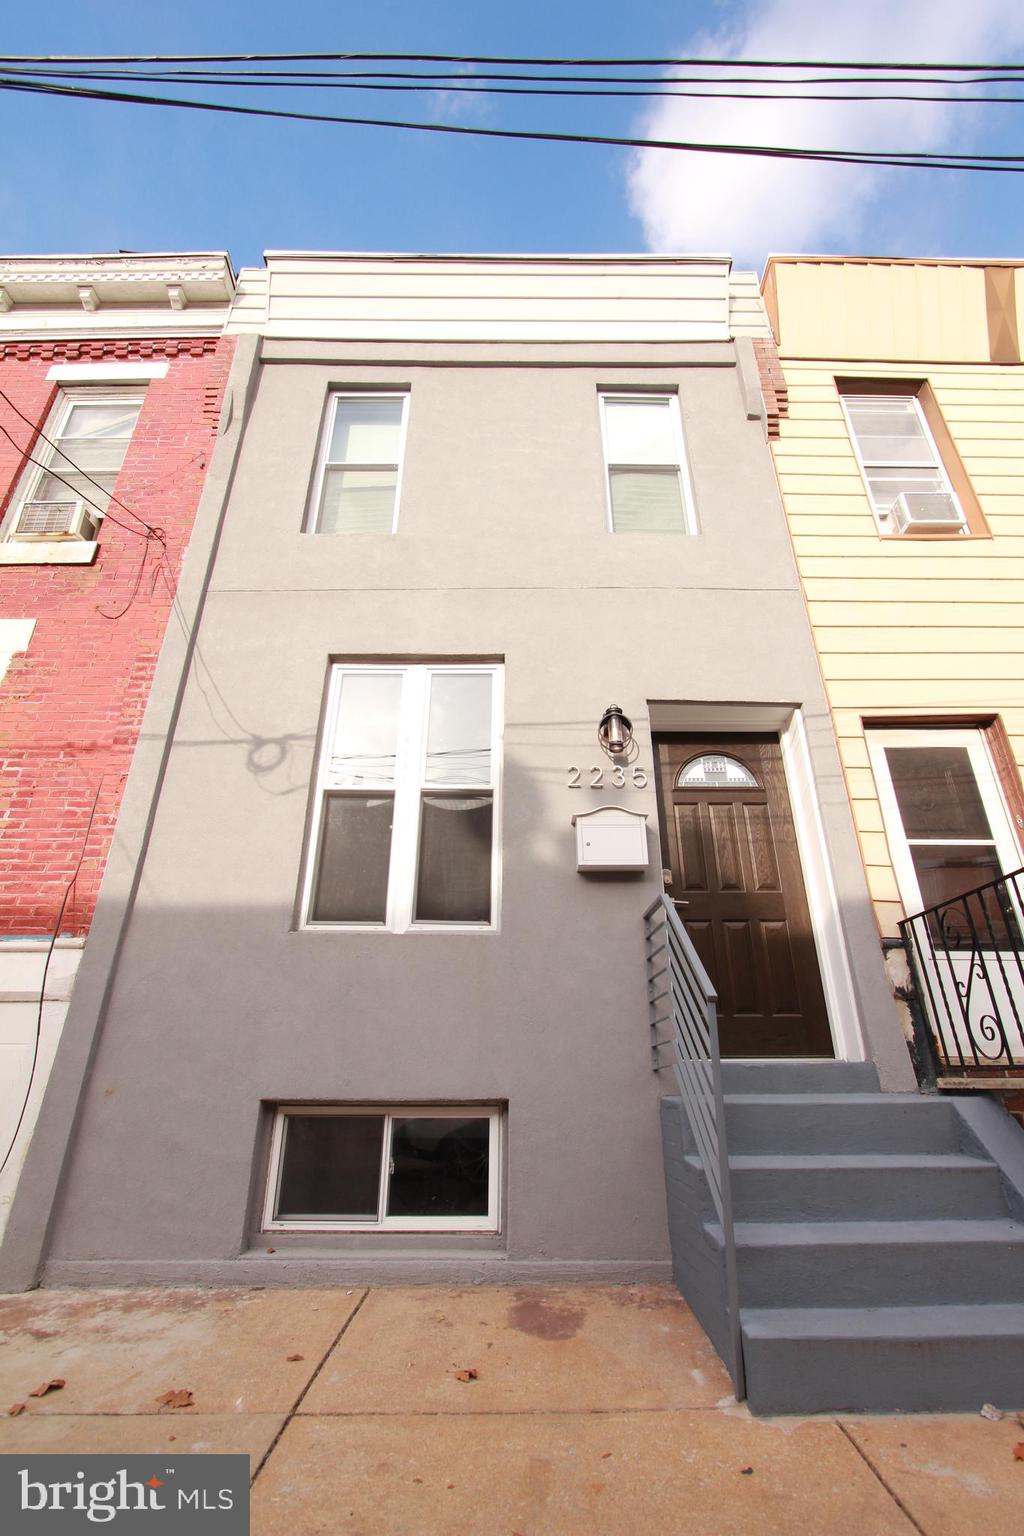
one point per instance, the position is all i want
(219, 1003)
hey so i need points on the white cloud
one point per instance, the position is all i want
(749, 205)
(457, 106)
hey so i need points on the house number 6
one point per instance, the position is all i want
(618, 777)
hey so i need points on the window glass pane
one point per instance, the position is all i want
(365, 432)
(945, 873)
(440, 1167)
(640, 432)
(937, 793)
(459, 730)
(647, 501)
(366, 731)
(331, 1168)
(967, 918)
(454, 881)
(114, 419)
(358, 501)
(95, 437)
(889, 428)
(72, 486)
(353, 858)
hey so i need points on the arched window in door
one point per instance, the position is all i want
(715, 771)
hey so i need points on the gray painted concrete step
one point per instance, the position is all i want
(844, 1122)
(884, 1359)
(840, 1186)
(877, 1263)
(799, 1077)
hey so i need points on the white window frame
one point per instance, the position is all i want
(491, 1222)
(682, 467)
(67, 399)
(408, 788)
(327, 432)
(883, 520)
(1007, 849)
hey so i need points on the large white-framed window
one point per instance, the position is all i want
(66, 491)
(945, 818)
(359, 470)
(374, 1168)
(906, 480)
(405, 829)
(647, 480)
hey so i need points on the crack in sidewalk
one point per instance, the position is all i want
(293, 1410)
(900, 1505)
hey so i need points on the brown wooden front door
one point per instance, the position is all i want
(729, 844)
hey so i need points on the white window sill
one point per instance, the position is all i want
(59, 552)
(397, 932)
(487, 1225)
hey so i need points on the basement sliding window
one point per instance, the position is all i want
(647, 479)
(357, 483)
(375, 1168)
(406, 818)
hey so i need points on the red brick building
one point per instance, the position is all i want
(112, 373)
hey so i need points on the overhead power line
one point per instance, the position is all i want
(467, 58)
(478, 85)
(432, 77)
(918, 160)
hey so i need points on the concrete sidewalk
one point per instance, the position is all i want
(596, 1411)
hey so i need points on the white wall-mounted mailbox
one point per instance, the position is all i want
(610, 838)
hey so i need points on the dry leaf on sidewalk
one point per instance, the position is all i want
(295, 1357)
(469, 1374)
(15, 1409)
(1018, 1451)
(179, 1399)
(47, 1386)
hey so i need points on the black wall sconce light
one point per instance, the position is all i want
(615, 732)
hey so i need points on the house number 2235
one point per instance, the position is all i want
(616, 775)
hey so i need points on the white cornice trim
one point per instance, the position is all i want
(543, 258)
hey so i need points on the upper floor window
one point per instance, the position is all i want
(907, 478)
(64, 494)
(358, 478)
(405, 823)
(648, 483)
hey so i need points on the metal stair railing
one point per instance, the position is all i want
(682, 1002)
(967, 959)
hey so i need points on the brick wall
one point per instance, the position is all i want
(773, 384)
(71, 705)
(1014, 1103)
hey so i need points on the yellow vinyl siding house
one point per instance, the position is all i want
(906, 376)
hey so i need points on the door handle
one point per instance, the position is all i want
(677, 903)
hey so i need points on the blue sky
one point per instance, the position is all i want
(91, 177)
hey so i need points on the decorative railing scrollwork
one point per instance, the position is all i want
(967, 959)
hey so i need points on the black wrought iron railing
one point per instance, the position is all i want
(967, 960)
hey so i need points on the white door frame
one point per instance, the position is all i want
(973, 741)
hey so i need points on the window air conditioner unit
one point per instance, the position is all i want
(55, 520)
(926, 512)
